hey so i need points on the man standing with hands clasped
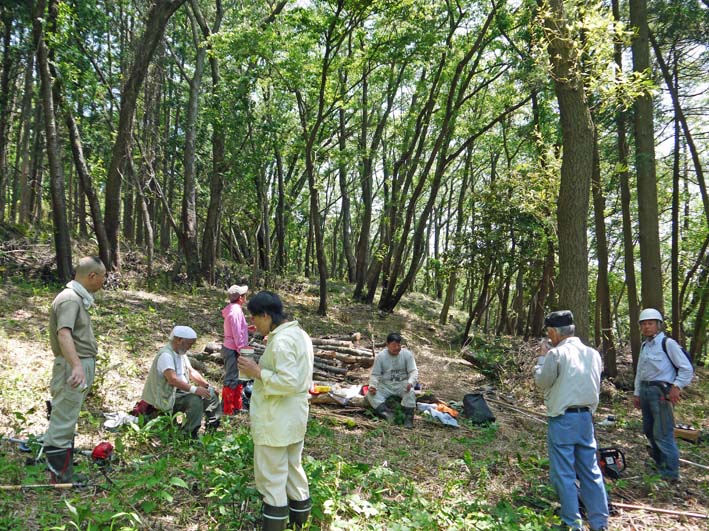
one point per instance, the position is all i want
(75, 349)
(569, 372)
(663, 371)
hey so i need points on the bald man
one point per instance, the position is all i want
(75, 349)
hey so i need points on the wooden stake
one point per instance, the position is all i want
(663, 511)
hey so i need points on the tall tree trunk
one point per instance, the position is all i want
(344, 191)
(210, 236)
(576, 169)
(280, 213)
(628, 245)
(365, 179)
(603, 297)
(699, 334)
(24, 149)
(7, 61)
(143, 214)
(82, 170)
(157, 20)
(459, 222)
(648, 215)
(679, 115)
(62, 241)
(36, 165)
(676, 306)
(189, 239)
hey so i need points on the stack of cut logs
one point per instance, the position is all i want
(334, 355)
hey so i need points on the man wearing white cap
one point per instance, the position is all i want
(168, 387)
(236, 337)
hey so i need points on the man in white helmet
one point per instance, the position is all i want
(662, 373)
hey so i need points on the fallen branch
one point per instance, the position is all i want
(43, 486)
(519, 409)
(686, 461)
(663, 511)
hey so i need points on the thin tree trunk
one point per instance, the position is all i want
(603, 299)
(7, 22)
(623, 177)
(157, 19)
(189, 238)
(24, 149)
(677, 331)
(36, 165)
(280, 214)
(344, 191)
(679, 115)
(210, 236)
(85, 176)
(62, 241)
(459, 222)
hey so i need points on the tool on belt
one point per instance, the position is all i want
(612, 462)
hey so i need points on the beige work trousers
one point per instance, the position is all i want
(279, 474)
(66, 402)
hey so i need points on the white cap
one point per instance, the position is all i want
(184, 332)
(237, 290)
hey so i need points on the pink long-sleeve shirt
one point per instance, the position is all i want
(236, 331)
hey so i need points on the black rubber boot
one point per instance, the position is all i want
(274, 518)
(60, 463)
(299, 511)
(212, 426)
(408, 417)
(384, 412)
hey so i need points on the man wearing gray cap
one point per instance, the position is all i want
(569, 372)
(168, 387)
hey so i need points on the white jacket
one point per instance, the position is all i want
(279, 403)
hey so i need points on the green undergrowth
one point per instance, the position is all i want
(364, 474)
(157, 480)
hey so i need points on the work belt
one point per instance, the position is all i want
(577, 409)
(664, 386)
(656, 383)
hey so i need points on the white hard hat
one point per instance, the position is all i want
(650, 314)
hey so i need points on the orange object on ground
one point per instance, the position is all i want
(443, 408)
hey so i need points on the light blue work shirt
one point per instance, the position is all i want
(655, 366)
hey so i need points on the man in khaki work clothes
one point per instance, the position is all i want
(169, 386)
(75, 349)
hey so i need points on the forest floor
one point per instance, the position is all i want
(449, 474)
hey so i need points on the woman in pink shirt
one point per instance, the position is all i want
(236, 336)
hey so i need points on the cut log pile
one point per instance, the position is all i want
(334, 355)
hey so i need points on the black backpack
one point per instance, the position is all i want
(684, 351)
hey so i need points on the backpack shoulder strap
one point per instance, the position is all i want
(664, 349)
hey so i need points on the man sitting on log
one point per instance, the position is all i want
(394, 374)
(168, 387)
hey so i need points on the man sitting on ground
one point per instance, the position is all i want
(168, 387)
(394, 374)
